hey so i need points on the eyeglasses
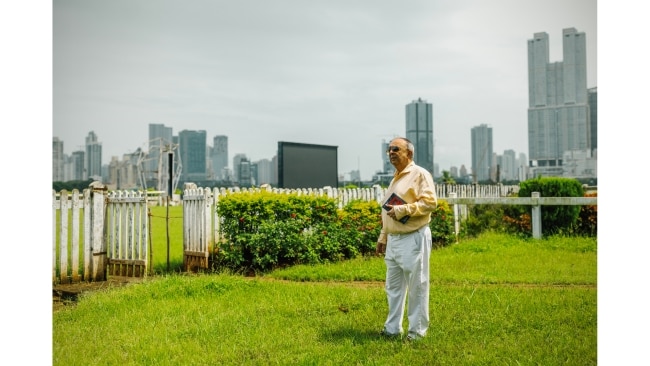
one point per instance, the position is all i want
(393, 149)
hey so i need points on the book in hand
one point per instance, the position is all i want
(395, 200)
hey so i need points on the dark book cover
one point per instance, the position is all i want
(395, 200)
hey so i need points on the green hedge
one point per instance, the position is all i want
(516, 219)
(262, 231)
(555, 219)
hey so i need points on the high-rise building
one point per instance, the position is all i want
(481, 153)
(235, 165)
(419, 129)
(509, 165)
(523, 170)
(592, 97)
(558, 110)
(220, 157)
(124, 174)
(387, 167)
(192, 154)
(265, 172)
(463, 171)
(58, 160)
(77, 162)
(93, 165)
(244, 173)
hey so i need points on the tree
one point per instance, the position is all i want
(447, 178)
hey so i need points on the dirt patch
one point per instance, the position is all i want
(67, 294)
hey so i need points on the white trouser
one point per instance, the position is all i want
(407, 271)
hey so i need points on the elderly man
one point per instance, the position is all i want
(405, 241)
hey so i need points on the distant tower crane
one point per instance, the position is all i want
(158, 151)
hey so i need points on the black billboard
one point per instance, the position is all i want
(307, 165)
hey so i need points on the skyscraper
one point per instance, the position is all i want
(509, 165)
(235, 165)
(57, 160)
(265, 172)
(419, 129)
(220, 156)
(192, 153)
(481, 153)
(593, 117)
(558, 110)
(93, 165)
(387, 167)
(77, 163)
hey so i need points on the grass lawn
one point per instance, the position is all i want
(495, 300)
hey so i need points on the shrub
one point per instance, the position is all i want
(555, 219)
(587, 223)
(482, 218)
(442, 225)
(360, 222)
(263, 231)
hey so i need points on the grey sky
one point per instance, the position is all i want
(323, 72)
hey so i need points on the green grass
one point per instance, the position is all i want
(495, 300)
(160, 222)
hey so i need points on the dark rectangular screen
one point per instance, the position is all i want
(307, 165)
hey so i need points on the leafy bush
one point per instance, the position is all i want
(360, 222)
(482, 218)
(587, 223)
(264, 231)
(442, 225)
(555, 219)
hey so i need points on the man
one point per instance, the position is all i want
(405, 241)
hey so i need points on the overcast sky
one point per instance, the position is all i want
(320, 72)
(337, 75)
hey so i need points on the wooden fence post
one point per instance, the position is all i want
(456, 216)
(97, 240)
(536, 217)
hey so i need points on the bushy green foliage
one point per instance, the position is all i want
(360, 222)
(484, 218)
(555, 219)
(442, 225)
(263, 231)
(516, 219)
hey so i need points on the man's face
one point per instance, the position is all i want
(398, 154)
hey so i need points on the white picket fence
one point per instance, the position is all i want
(98, 233)
(201, 224)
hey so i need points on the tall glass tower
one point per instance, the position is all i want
(93, 166)
(220, 156)
(192, 152)
(481, 153)
(558, 110)
(419, 129)
(58, 160)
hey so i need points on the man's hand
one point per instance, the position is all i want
(381, 248)
(391, 212)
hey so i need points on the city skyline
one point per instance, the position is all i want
(152, 157)
(334, 73)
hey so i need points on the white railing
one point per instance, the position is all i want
(536, 201)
